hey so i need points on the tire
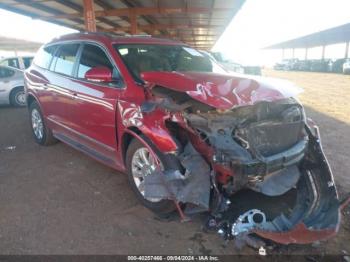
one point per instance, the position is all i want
(36, 118)
(162, 207)
(17, 97)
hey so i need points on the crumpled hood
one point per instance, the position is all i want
(224, 91)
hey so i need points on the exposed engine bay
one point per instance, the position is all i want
(267, 147)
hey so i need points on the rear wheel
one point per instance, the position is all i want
(18, 97)
(42, 134)
(140, 163)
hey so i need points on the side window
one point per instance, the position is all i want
(5, 62)
(44, 56)
(93, 56)
(64, 59)
(12, 62)
(5, 72)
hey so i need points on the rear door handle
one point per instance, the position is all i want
(74, 95)
(45, 86)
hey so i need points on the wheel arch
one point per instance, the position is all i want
(13, 88)
(126, 139)
(30, 99)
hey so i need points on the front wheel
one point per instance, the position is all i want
(139, 164)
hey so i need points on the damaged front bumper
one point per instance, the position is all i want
(316, 213)
(267, 148)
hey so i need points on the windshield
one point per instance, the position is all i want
(150, 57)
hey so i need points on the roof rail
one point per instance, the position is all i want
(141, 35)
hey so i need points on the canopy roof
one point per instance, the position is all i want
(13, 44)
(335, 35)
(198, 23)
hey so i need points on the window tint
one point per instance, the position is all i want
(94, 56)
(44, 56)
(64, 59)
(27, 61)
(5, 72)
(12, 62)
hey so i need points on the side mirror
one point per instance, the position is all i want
(99, 74)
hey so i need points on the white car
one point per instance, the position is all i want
(20, 62)
(346, 66)
(12, 86)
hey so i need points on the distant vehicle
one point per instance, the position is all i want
(302, 65)
(252, 70)
(346, 66)
(227, 64)
(286, 64)
(337, 65)
(20, 62)
(12, 86)
(319, 65)
(236, 67)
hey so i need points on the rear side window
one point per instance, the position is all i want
(12, 62)
(43, 57)
(5, 72)
(64, 59)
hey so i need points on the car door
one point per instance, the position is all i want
(61, 81)
(94, 104)
(5, 83)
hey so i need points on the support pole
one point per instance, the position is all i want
(306, 52)
(323, 51)
(293, 53)
(282, 53)
(89, 15)
(347, 50)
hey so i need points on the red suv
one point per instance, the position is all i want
(188, 134)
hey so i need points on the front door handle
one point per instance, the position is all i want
(45, 86)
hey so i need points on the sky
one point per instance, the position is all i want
(23, 27)
(258, 24)
(261, 23)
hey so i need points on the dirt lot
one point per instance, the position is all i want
(55, 200)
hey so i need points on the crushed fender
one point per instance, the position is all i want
(191, 187)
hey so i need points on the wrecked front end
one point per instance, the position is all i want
(263, 147)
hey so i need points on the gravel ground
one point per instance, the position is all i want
(55, 200)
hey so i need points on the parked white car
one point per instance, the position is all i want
(20, 62)
(346, 66)
(12, 86)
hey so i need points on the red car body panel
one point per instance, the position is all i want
(300, 234)
(217, 90)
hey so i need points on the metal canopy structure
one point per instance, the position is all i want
(335, 35)
(13, 44)
(198, 23)
(340, 34)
